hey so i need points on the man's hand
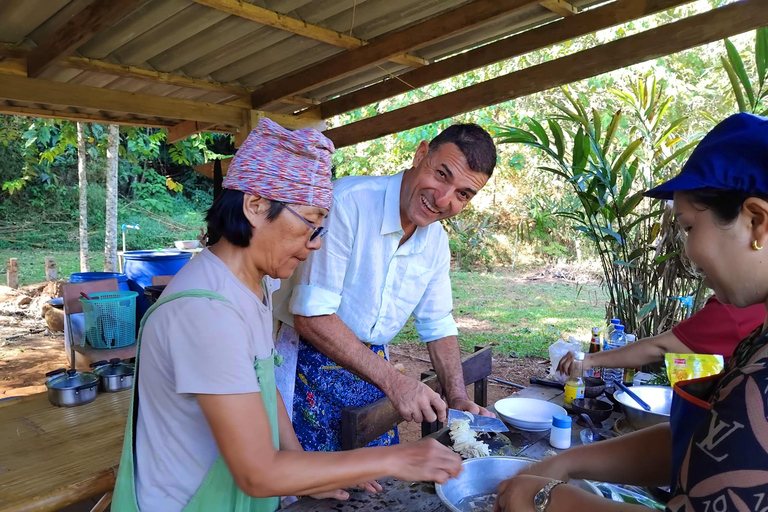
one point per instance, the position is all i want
(415, 401)
(465, 404)
(517, 494)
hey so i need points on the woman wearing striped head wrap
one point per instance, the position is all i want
(210, 431)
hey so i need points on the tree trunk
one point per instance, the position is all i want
(110, 238)
(83, 184)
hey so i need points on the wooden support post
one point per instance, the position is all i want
(12, 273)
(50, 269)
(428, 428)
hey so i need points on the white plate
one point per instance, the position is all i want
(528, 413)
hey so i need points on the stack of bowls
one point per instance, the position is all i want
(528, 414)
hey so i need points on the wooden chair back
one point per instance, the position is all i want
(361, 425)
(71, 293)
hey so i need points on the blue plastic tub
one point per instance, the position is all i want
(141, 266)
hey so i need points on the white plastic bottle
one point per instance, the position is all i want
(617, 340)
(560, 435)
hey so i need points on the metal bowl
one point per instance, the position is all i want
(658, 397)
(482, 476)
(597, 410)
(187, 245)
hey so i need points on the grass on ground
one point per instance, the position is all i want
(518, 316)
(32, 263)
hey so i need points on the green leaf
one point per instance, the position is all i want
(683, 150)
(734, 85)
(628, 152)
(612, 233)
(741, 72)
(662, 259)
(636, 253)
(597, 124)
(536, 128)
(557, 134)
(611, 133)
(630, 204)
(645, 310)
(655, 230)
(662, 110)
(672, 127)
(628, 174)
(624, 264)
(761, 54)
(578, 150)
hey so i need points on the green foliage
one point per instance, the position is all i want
(750, 93)
(607, 180)
(469, 239)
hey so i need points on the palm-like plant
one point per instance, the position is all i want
(609, 159)
(750, 96)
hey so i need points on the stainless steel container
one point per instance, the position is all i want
(114, 375)
(68, 388)
(482, 476)
(658, 397)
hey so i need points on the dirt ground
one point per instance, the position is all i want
(28, 350)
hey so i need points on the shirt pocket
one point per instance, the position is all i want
(412, 287)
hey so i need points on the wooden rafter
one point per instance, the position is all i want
(77, 31)
(587, 22)
(185, 129)
(560, 7)
(32, 90)
(79, 116)
(694, 31)
(283, 22)
(430, 31)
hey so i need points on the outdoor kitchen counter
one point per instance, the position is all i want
(51, 457)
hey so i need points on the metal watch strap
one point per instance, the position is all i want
(542, 498)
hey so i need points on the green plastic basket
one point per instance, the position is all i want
(110, 319)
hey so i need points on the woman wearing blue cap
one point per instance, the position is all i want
(716, 446)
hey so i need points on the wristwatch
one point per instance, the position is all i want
(541, 500)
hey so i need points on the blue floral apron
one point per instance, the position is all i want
(323, 389)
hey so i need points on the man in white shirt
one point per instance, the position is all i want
(385, 258)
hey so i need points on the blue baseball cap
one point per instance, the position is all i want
(733, 156)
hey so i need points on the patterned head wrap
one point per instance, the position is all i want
(283, 165)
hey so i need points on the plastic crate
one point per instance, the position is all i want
(110, 319)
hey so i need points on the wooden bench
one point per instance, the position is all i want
(361, 425)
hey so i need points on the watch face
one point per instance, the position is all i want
(540, 500)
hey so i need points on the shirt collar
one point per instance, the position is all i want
(391, 222)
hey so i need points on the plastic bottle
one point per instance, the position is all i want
(595, 345)
(609, 331)
(618, 339)
(560, 435)
(629, 373)
(574, 386)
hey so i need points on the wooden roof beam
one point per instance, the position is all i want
(185, 129)
(621, 11)
(704, 28)
(274, 19)
(560, 7)
(32, 90)
(79, 116)
(77, 31)
(430, 31)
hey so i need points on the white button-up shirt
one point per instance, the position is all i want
(362, 275)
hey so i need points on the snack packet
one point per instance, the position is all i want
(682, 367)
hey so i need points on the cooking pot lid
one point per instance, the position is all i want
(115, 367)
(70, 379)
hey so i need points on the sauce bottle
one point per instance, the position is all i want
(574, 386)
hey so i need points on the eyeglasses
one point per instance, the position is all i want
(316, 232)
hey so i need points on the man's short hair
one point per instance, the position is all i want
(226, 218)
(475, 144)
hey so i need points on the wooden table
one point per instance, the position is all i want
(420, 497)
(51, 457)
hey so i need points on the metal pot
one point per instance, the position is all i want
(658, 397)
(68, 388)
(114, 375)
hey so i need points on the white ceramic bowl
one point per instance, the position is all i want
(186, 244)
(528, 414)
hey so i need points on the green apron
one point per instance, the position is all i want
(218, 490)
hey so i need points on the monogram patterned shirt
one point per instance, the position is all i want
(726, 466)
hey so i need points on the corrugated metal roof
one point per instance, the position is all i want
(185, 38)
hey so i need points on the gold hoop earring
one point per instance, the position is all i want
(755, 246)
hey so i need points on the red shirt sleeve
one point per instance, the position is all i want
(718, 328)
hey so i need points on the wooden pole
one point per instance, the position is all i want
(50, 269)
(12, 274)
